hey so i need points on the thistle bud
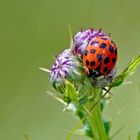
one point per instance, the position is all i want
(66, 67)
(82, 38)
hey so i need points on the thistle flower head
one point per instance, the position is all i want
(82, 38)
(66, 67)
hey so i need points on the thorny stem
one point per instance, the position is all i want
(94, 105)
(95, 119)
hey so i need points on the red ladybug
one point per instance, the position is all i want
(100, 56)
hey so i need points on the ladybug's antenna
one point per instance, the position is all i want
(91, 29)
(73, 37)
(100, 30)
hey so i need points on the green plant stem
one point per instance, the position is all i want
(95, 119)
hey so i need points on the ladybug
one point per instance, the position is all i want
(100, 56)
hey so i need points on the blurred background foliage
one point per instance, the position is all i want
(32, 32)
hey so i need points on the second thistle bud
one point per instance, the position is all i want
(66, 67)
(82, 38)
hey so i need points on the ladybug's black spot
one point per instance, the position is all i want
(103, 45)
(92, 51)
(86, 52)
(99, 57)
(92, 63)
(116, 51)
(106, 60)
(87, 62)
(105, 69)
(113, 60)
(94, 43)
(111, 49)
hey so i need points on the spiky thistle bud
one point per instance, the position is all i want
(66, 67)
(82, 38)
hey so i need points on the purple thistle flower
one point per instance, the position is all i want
(82, 38)
(66, 67)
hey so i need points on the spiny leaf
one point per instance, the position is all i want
(102, 104)
(72, 132)
(107, 125)
(58, 98)
(76, 130)
(130, 69)
(87, 130)
(70, 92)
(80, 113)
(45, 70)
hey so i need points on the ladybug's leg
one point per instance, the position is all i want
(98, 74)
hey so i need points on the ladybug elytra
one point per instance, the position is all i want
(100, 56)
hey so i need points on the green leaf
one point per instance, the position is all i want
(80, 113)
(107, 125)
(138, 135)
(70, 92)
(130, 69)
(102, 104)
(57, 97)
(88, 131)
(60, 87)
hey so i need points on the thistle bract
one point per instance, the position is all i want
(104, 81)
(82, 38)
(66, 67)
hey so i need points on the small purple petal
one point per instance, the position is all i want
(81, 39)
(66, 64)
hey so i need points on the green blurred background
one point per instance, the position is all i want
(32, 32)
